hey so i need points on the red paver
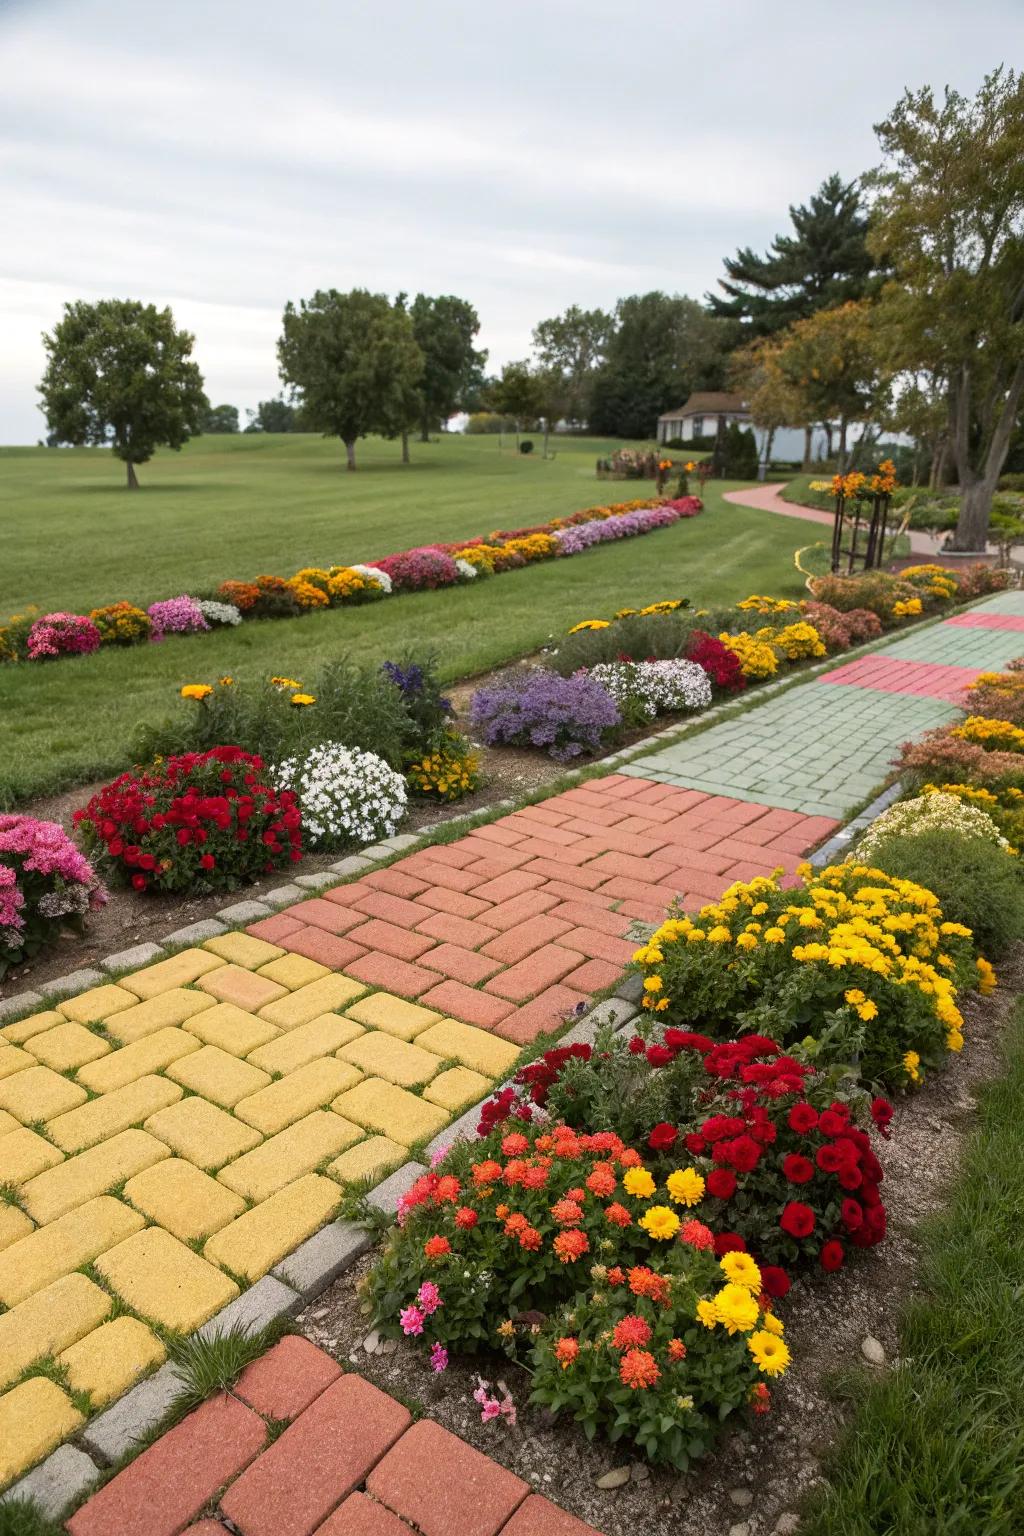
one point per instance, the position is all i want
(533, 974)
(207, 1528)
(551, 1011)
(393, 909)
(390, 939)
(447, 876)
(455, 854)
(319, 1459)
(382, 970)
(977, 620)
(594, 976)
(539, 1517)
(466, 1004)
(504, 887)
(587, 878)
(455, 902)
(326, 948)
(518, 908)
(888, 674)
(395, 881)
(274, 929)
(461, 964)
(582, 914)
(443, 1486)
(449, 929)
(360, 1516)
(328, 915)
(492, 862)
(283, 1382)
(162, 1489)
(521, 940)
(496, 832)
(598, 946)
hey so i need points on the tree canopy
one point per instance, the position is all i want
(444, 329)
(823, 263)
(573, 346)
(276, 415)
(219, 418)
(353, 358)
(662, 348)
(119, 373)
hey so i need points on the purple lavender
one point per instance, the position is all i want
(567, 716)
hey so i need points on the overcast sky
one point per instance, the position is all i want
(222, 156)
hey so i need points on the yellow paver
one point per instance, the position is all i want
(373, 1159)
(23, 1154)
(67, 1046)
(380, 1106)
(107, 1361)
(185, 1202)
(177, 971)
(320, 1037)
(231, 1029)
(7, 1122)
(218, 1076)
(33, 1419)
(48, 1322)
(164, 1011)
(63, 1245)
(397, 1061)
(201, 1133)
(458, 1088)
(393, 1014)
(474, 1048)
(24, 1029)
(292, 1152)
(13, 1059)
(234, 984)
(37, 1093)
(243, 949)
(14, 1225)
(164, 1281)
(114, 1112)
(81, 1178)
(294, 971)
(307, 1088)
(324, 996)
(137, 1060)
(97, 1004)
(256, 1241)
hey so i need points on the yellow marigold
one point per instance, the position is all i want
(736, 1308)
(652, 984)
(746, 941)
(302, 699)
(685, 1186)
(659, 1222)
(719, 935)
(986, 976)
(911, 1065)
(285, 682)
(771, 1355)
(638, 1182)
(707, 1314)
(775, 936)
(589, 624)
(741, 1269)
(197, 691)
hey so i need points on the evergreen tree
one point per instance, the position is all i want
(824, 262)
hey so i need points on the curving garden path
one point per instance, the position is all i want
(177, 1140)
(769, 498)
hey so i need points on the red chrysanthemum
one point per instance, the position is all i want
(797, 1219)
(631, 1333)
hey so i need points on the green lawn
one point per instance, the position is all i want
(283, 503)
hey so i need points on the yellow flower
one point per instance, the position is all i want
(773, 1324)
(741, 1270)
(587, 624)
(854, 996)
(303, 698)
(746, 941)
(685, 1186)
(652, 984)
(736, 1308)
(911, 1064)
(638, 1182)
(225, 682)
(986, 976)
(285, 682)
(660, 1223)
(771, 1355)
(197, 691)
(707, 1313)
(719, 935)
(775, 936)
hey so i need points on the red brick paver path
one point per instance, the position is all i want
(517, 923)
(889, 674)
(350, 1463)
(979, 620)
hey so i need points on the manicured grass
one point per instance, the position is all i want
(72, 721)
(937, 1447)
(798, 490)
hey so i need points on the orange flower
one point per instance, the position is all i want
(534, 1178)
(486, 1173)
(577, 1194)
(638, 1368)
(629, 1157)
(644, 1282)
(465, 1216)
(618, 1215)
(676, 1349)
(530, 1239)
(696, 1234)
(501, 1211)
(447, 1188)
(515, 1223)
(514, 1145)
(616, 1276)
(514, 1171)
(602, 1181)
(567, 1213)
(436, 1247)
(567, 1352)
(571, 1246)
(631, 1333)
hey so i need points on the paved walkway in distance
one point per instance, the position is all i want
(350, 1463)
(769, 498)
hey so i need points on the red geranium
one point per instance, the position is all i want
(797, 1219)
(663, 1137)
(832, 1256)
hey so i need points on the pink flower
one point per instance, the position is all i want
(439, 1358)
(411, 1319)
(439, 1156)
(507, 1409)
(491, 1410)
(429, 1297)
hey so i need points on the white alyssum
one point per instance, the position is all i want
(930, 813)
(467, 570)
(371, 573)
(658, 687)
(218, 613)
(345, 795)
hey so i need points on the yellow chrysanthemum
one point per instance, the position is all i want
(741, 1269)
(197, 691)
(685, 1186)
(638, 1182)
(659, 1222)
(736, 1308)
(771, 1355)
(707, 1314)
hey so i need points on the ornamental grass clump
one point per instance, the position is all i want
(201, 821)
(345, 796)
(45, 883)
(858, 965)
(567, 717)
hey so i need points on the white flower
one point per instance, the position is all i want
(465, 569)
(345, 795)
(218, 613)
(371, 573)
(655, 687)
(933, 812)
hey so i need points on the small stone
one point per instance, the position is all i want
(742, 1529)
(872, 1351)
(387, 1346)
(741, 1497)
(352, 865)
(132, 959)
(244, 912)
(639, 1471)
(787, 1524)
(283, 895)
(618, 1477)
(21, 1002)
(371, 1342)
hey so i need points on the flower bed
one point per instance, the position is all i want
(45, 883)
(315, 588)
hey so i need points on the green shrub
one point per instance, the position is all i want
(639, 636)
(976, 883)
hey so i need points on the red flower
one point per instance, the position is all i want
(831, 1256)
(207, 861)
(722, 1183)
(881, 1113)
(695, 1143)
(803, 1118)
(830, 1124)
(139, 882)
(685, 1040)
(852, 1214)
(797, 1219)
(618, 1215)
(570, 1246)
(774, 1281)
(829, 1159)
(743, 1153)
(637, 1046)
(660, 1055)
(663, 1137)
(436, 1247)
(465, 1216)
(728, 1242)
(530, 1239)
(631, 1333)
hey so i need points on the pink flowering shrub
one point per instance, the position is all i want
(44, 881)
(177, 616)
(418, 570)
(62, 634)
(625, 525)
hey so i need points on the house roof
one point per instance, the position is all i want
(710, 402)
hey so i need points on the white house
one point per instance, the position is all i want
(705, 410)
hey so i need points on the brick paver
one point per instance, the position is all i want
(893, 674)
(444, 1487)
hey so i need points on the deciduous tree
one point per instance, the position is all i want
(663, 347)
(220, 418)
(573, 345)
(445, 328)
(120, 374)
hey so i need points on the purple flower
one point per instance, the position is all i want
(177, 616)
(567, 716)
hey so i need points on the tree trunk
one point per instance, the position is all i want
(842, 444)
(828, 442)
(133, 481)
(425, 430)
(808, 438)
(350, 453)
(977, 487)
(547, 428)
(405, 446)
